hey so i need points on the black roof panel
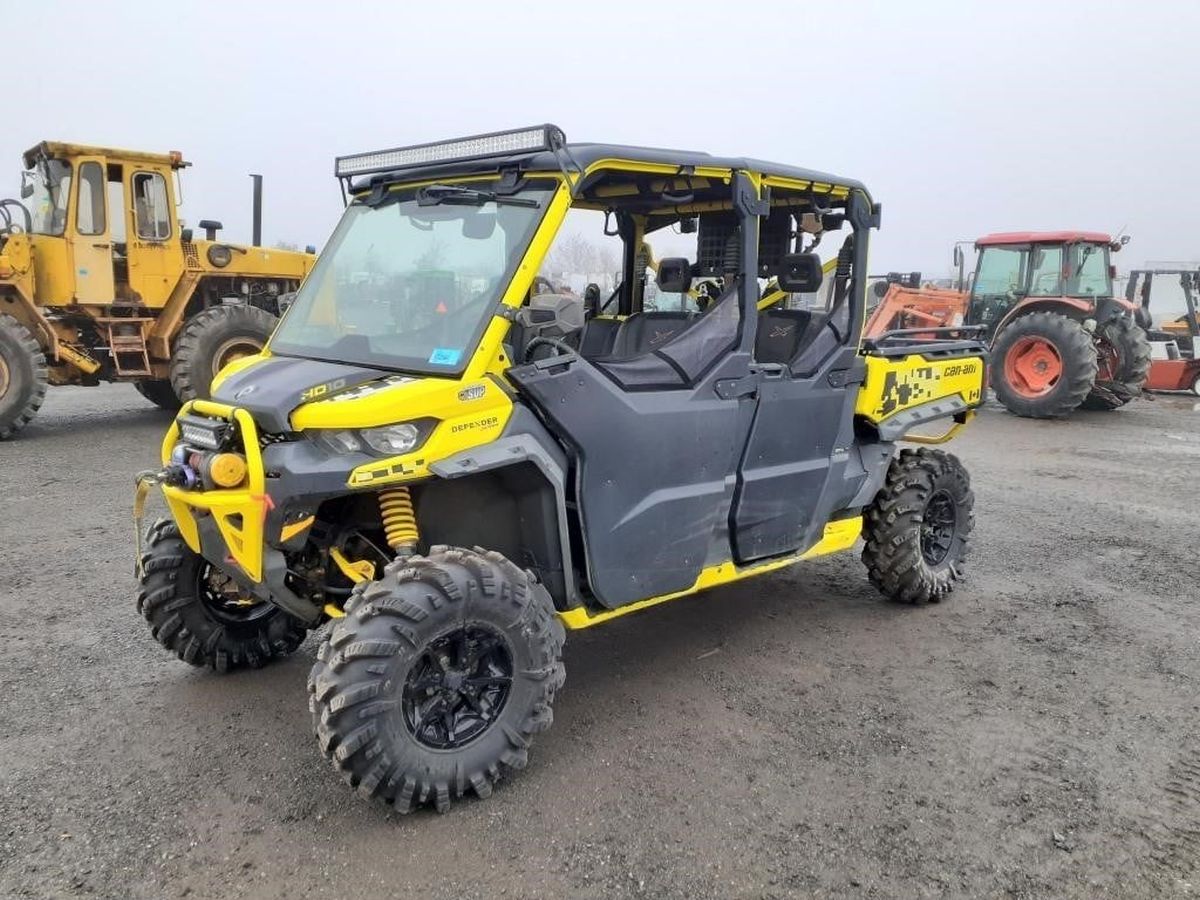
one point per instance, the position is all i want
(586, 154)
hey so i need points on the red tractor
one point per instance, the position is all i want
(1059, 337)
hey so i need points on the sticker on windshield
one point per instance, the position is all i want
(444, 356)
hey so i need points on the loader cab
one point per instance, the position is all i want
(1027, 268)
(103, 224)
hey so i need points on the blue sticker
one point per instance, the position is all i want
(444, 356)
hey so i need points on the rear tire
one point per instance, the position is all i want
(1044, 366)
(1123, 350)
(23, 377)
(159, 392)
(211, 340)
(917, 528)
(198, 624)
(437, 679)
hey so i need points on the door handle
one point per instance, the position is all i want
(102, 246)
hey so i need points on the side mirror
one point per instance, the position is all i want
(958, 255)
(185, 235)
(801, 273)
(674, 275)
(26, 185)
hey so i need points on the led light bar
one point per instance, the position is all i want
(480, 146)
(207, 434)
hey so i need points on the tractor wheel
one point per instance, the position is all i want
(1044, 366)
(438, 678)
(23, 377)
(1123, 354)
(159, 392)
(200, 615)
(1196, 385)
(211, 340)
(916, 530)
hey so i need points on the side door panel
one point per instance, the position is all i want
(797, 448)
(655, 472)
(89, 234)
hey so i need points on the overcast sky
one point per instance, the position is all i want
(962, 118)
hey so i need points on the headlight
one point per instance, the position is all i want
(386, 440)
(338, 441)
(392, 440)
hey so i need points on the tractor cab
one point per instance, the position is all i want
(100, 223)
(1019, 269)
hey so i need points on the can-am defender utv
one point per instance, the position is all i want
(454, 468)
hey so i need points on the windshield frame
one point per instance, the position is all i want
(546, 186)
(1069, 260)
(55, 199)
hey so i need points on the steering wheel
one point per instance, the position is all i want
(563, 348)
(7, 225)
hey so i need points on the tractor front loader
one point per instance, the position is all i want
(1060, 339)
(100, 280)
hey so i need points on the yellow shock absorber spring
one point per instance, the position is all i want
(399, 520)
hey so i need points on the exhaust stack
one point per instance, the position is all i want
(257, 213)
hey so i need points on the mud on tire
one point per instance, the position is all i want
(1124, 350)
(917, 529)
(176, 599)
(460, 635)
(210, 340)
(23, 377)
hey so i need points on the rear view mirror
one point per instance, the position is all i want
(591, 300)
(479, 226)
(26, 185)
(674, 275)
(801, 273)
(958, 255)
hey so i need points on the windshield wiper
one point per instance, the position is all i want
(1083, 258)
(434, 194)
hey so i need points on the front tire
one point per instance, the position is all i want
(917, 528)
(211, 340)
(23, 377)
(159, 392)
(1044, 366)
(196, 613)
(437, 679)
(1123, 353)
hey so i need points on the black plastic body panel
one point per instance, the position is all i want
(655, 471)
(794, 465)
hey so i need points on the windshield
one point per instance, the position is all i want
(1087, 271)
(51, 183)
(408, 286)
(1001, 270)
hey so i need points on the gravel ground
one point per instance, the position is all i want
(1033, 736)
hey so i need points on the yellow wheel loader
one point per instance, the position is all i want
(100, 280)
(456, 467)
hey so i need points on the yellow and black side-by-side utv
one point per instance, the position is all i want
(456, 468)
(101, 281)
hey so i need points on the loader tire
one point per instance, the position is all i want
(1043, 366)
(159, 392)
(437, 679)
(195, 613)
(23, 377)
(211, 340)
(918, 527)
(1123, 351)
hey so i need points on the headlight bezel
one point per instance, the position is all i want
(345, 441)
